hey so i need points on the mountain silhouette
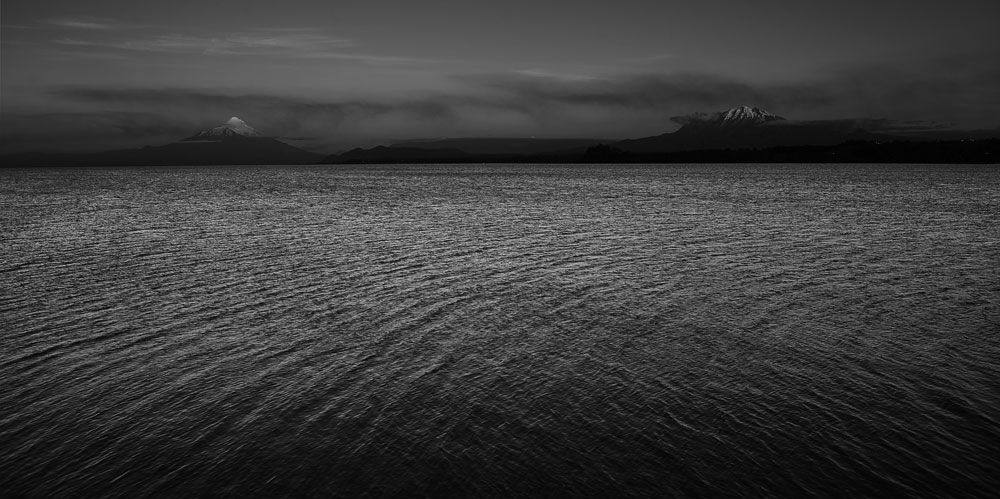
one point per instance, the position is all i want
(502, 145)
(740, 134)
(747, 128)
(383, 154)
(737, 117)
(232, 143)
(738, 128)
(235, 127)
(451, 150)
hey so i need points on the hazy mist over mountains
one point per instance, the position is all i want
(742, 128)
(332, 77)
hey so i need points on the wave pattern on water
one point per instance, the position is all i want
(646, 331)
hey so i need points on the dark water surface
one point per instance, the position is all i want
(646, 331)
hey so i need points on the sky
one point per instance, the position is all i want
(330, 75)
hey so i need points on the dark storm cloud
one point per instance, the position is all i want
(650, 91)
(83, 131)
(278, 111)
(638, 91)
(121, 116)
(961, 90)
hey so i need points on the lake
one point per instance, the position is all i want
(500, 330)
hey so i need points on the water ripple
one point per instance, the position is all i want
(640, 331)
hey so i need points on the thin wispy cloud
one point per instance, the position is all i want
(250, 43)
(88, 23)
(77, 55)
(291, 43)
(556, 75)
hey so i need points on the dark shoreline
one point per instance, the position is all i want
(945, 152)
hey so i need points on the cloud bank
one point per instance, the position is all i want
(512, 104)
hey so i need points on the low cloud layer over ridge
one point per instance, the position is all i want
(500, 104)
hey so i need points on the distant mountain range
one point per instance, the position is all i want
(748, 127)
(743, 133)
(740, 134)
(232, 143)
(504, 146)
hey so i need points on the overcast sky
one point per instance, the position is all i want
(330, 75)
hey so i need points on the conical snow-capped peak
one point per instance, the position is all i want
(235, 127)
(737, 117)
(747, 115)
(239, 126)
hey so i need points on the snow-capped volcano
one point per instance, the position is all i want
(736, 117)
(235, 127)
(746, 115)
(743, 127)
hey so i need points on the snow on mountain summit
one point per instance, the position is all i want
(239, 126)
(736, 117)
(747, 115)
(235, 127)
